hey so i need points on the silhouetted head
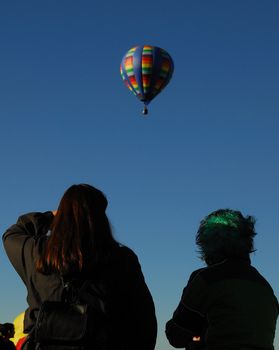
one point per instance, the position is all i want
(7, 330)
(225, 233)
(80, 232)
(82, 203)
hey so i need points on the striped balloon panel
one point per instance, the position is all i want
(129, 67)
(125, 81)
(146, 67)
(165, 72)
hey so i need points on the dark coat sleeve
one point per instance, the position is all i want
(19, 239)
(189, 318)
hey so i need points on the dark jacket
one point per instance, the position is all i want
(133, 307)
(6, 344)
(230, 305)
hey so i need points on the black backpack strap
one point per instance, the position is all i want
(93, 295)
(29, 343)
(70, 291)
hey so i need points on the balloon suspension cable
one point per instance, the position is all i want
(145, 110)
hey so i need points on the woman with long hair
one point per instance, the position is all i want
(75, 243)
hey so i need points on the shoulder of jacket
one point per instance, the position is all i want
(205, 272)
(196, 273)
(127, 252)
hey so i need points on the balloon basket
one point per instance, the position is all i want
(145, 110)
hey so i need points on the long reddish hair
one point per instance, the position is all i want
(80, 232)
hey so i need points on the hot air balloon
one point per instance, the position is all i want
(146, 71)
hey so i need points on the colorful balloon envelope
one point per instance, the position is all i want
(146, 71)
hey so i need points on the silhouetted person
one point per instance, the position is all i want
(7, 331)
(77, 243)
(228, 303)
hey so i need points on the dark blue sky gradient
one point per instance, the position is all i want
(210, 140)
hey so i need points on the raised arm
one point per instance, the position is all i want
(20, 238)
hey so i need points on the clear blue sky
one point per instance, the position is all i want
(210, 140)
